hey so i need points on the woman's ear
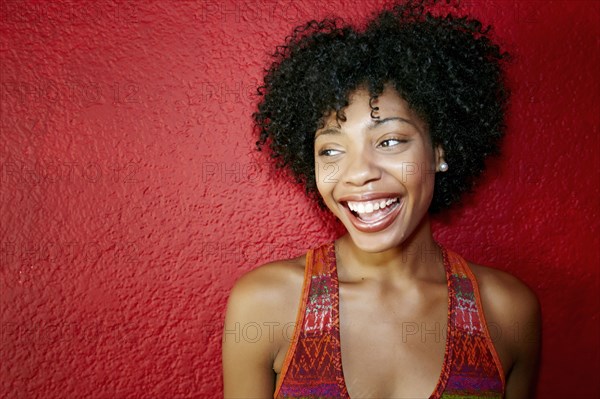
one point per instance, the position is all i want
(440, 161)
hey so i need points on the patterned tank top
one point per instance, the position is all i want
(313, 365)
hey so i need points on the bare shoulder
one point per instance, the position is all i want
(263, 301)
(269, 288)
(507, 297)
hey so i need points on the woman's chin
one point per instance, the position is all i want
(373, 243)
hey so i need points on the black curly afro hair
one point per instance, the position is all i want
(446, 67)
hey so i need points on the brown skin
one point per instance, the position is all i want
(389, 293)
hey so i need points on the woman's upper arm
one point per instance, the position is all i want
(514, 312)
(522, 379)
(247, 347)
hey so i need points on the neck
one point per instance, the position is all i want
(417, 257)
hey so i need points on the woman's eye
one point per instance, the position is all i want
(329, 152)
(392, 142)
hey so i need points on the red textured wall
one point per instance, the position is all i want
(131, 198)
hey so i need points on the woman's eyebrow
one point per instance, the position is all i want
(376, 122)
(329, 130)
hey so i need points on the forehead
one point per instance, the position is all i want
(388, 101)
(365, 109)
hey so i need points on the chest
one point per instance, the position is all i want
(392, 346)
(427, 339)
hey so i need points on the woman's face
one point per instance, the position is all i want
(376, 174)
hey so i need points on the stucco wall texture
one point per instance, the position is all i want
(132, 198)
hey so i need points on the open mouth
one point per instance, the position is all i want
(371, 211)
(373, 215)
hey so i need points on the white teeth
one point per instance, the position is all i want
(370, 206)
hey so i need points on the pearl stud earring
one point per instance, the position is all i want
(443, 166)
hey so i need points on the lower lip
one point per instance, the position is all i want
(376, 226)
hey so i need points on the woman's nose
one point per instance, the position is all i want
(361, 169)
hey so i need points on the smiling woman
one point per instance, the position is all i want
(401, 116)
(383, 161)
